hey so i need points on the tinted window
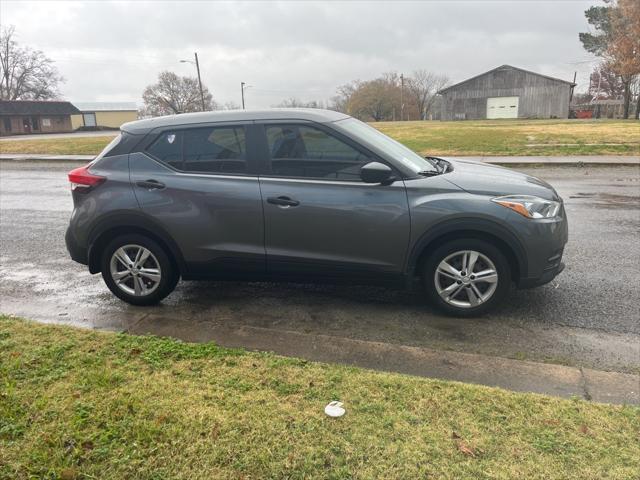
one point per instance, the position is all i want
(303, 151)
(220, 149)
(168, 149)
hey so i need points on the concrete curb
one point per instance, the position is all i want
(580, 161)
(31, 157)
(594, 160)
(520, 376)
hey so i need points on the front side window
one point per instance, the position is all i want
(308, 152)
(220, 150)
(369, 135)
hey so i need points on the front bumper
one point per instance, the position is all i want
(546, 277)
(544, 242)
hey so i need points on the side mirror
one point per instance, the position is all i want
(376, 172)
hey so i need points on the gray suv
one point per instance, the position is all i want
(305, 196)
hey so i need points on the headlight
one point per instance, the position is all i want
(529, 206)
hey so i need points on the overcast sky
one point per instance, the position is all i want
(109, 51)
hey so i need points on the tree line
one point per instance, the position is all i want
(391, 96)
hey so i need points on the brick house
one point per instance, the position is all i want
(25, 116)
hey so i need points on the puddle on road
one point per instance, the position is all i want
(608, 199)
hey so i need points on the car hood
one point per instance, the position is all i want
(483, 179)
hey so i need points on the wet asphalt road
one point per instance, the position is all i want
(589, 316)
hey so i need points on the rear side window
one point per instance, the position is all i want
(204, 150)
(168, 149)
(107, 151)
(305, 151)
(220, 150)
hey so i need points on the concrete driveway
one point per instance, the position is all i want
(589, 317)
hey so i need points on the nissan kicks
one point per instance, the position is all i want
(307, 195)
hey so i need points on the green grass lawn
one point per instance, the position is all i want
(518, 137)
(78, 404)
(489, 137)
(57, 146)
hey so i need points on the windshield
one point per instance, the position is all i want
(380, 141)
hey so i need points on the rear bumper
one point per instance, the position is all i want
(77, 252)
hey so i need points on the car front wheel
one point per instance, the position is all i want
(138, 270)
(467, 278)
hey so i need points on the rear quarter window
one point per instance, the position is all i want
(111, 147)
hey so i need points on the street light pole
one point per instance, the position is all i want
(199, 80)
(401, 97)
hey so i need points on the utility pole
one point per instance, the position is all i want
(401, 97)
(199, 80)
(243, 87)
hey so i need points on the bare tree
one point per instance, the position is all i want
(376, 99)
(340, 102)
(26, 74)
(604, 83)
(231, 106)
(173, 94)
(422, 88)
(295, 103)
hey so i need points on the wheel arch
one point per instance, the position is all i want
(122, 224)
(480, 229)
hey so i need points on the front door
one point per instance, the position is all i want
(26, 125)
(321, 220)
(196, 184)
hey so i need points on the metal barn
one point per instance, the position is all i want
(507, 92)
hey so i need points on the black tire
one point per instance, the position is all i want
(169, 275)
(486, 249)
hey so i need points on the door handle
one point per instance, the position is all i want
(150, 184)
(283, 201)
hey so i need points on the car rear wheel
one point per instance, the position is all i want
(467, 278)
(138, 270)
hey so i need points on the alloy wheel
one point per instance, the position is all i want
(135, 270)
(466, 279)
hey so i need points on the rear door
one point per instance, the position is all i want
(321, 220)
(200, 186)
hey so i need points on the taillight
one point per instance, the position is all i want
(82, 178)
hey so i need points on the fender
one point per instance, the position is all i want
(470, 225)
(134, 222)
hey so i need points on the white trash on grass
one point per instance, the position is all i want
(335, 409)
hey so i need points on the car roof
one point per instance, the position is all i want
(309, 114)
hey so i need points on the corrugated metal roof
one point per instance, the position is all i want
(105, 106)
(504, 67)
(33, 107)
